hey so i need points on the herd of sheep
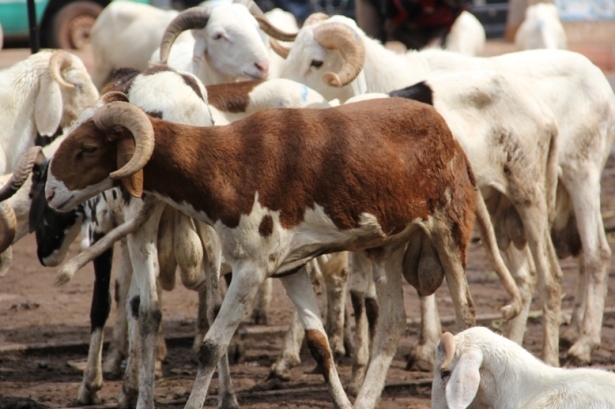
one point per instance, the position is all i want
(240, 147)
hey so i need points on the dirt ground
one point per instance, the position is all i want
(42, 328)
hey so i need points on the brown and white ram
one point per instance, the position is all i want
(280, 188)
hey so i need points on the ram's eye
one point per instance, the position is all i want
(89, 149)
(316, 63)
(217, 36)
(445, 374)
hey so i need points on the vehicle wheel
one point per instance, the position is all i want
(71, 25)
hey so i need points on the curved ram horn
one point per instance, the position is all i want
(113, 96)
(273, 31)
(138, 123)
(264, 23)
(340, 37)
(8, 226)
(192, 18)
(279, 49)
(315, 18)
(60, 60)
(447, 343)
(22, 171)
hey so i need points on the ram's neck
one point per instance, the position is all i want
(386, 71)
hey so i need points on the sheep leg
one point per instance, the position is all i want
(263, 299)
(421, 356)
(570, 334)
(299, 288)
(290, 352)
(240, 294)
(293, 339)
(99, 312)
(359, 283)
(335, 274)
(585, 195)
(389, 329)
(118, 349)
(549, 276)
(522, 269)
(453, 266)
(144, 257)
(161, 343)
(130, 388)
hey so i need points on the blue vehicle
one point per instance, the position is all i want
(62, 23)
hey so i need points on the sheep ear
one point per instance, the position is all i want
(134, 183)
(463, 384)
(48, 106)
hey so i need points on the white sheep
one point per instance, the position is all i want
(480, 369)
(124, 36)
(570, 85)
(38, 96)
(541, 28)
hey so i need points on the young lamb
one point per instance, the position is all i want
(38, 96)
(568, 83)
(275, 209)
(480, 369)
(541, 28)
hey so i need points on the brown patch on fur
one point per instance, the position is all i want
(155, 114)
(319, 348)
(346, 159)
(232, 97)
(266, 227)
(191, 82)
(120, 80)
(155, 69)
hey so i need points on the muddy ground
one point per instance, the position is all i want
(43, 328)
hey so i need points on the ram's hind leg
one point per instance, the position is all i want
(299, 288)
(389, 328)
(596, 258)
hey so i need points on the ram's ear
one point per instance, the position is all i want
(465, 379)
(48, 106)
(134, 183)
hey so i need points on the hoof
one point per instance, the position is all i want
(580, 353)
(87, 396)
(420, 358)
(568, 336)
(228, 401)
(279, 372)
(354, 387)
(127, 400)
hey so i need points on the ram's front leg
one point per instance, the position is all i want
(144, 257)
(241, 292)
